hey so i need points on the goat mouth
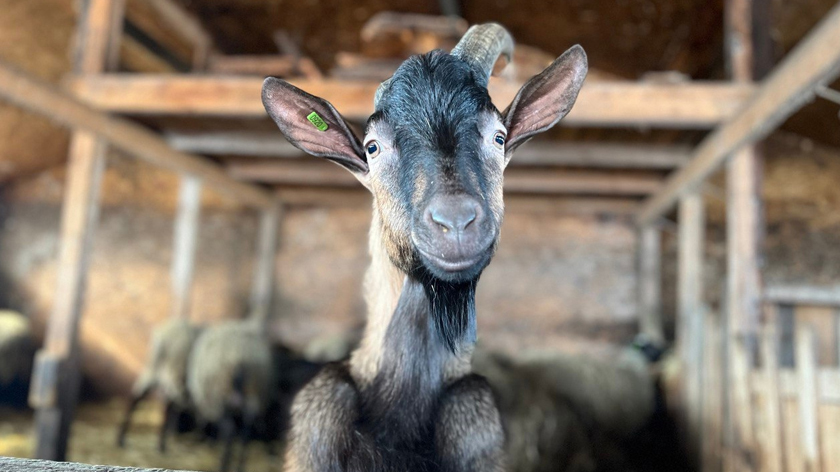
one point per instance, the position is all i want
(463, 266)
(453, 265)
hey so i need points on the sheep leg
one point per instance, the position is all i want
(170, 415)
(469, 434)
(227, 427)
(248, 420)
(137, 396)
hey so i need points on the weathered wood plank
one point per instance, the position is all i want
(806, 370)
(802, 295)
(34, 95)
(690, 309)
(712, 408)
(263, 286)
(744, 235)
(828, 384)
(57, 371)
(815, 60)
(529, 204)
(311, 172)
(264, 65)
(772, 458)
(618, 104)
(185, 245)
(12, 464)
(173, 28)
(539, 153)
(649, 281)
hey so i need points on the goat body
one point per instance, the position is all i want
(433, 157)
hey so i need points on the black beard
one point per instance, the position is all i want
(452, 307)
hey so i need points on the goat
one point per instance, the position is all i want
(433, 157)
(166, 371)
(16, 354)
(230, 378)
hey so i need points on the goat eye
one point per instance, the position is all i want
(372, 148)
(499, 139)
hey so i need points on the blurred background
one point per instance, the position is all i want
(561, 300)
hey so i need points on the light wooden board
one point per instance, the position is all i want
(609, 104)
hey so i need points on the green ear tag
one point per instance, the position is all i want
(319, 122)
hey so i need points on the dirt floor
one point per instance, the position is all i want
(94, 434)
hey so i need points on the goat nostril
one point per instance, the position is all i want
(469, 219)
(441, 220)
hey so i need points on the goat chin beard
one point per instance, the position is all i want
(451, 307)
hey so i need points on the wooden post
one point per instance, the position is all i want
(806, 371)
(772, 458)
(264, 271)
(112, 60)
(186, 237)
(56, 373)
(744, 237)
(650, 283)
(690, 309)
(712, 408)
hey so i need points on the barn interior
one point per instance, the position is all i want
(665, 291)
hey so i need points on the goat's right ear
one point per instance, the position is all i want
(313, 125)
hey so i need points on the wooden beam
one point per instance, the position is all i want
(113, 51)
(649, 261)
(186, 243)
(743, 241)
(263, 288)
(56, 374)
(608, 104)
(136, 57)
(264, 65)
(690, 308)
(34, 95)
(233, 143)
(527, 204)
(535, 153)
(791, 85)
(517, 180)
(802, 295)
(173, 28)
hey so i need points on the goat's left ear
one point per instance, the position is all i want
(313, 125)
(545, 99)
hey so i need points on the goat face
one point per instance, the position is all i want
(435, 152)
(435, 149)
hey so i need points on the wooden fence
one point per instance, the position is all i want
(794, 393)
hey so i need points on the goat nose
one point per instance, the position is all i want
(454, 213)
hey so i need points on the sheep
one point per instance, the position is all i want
(230, 379)
(433, 157)
(166, 372)
(16, 356)
(578, 413)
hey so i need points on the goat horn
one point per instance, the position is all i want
(483, 44)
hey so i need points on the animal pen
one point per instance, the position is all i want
(752, 393)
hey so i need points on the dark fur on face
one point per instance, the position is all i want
(433, 111)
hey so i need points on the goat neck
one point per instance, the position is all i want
(385, 288)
